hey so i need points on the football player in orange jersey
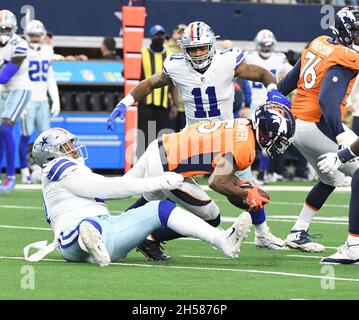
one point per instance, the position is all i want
(324, 77)
(220, 149)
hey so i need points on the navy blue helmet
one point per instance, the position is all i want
(274, 127)
(346, 26)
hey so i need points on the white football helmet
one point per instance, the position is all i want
(198, 34)
(57, 142)
(8, 26)
(35, 28)
(265, 42)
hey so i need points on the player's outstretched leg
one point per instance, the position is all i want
(349, 252)
(298, 237)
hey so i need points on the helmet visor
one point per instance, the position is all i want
(74, 149)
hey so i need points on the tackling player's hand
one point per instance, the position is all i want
(119, 111)
(255, 200)
(275, 96)
(329, 162)
(171, 180)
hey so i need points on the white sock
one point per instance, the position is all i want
(261, 228)
(305, 218)
(25, 172)
(187, 224)
(353, 240)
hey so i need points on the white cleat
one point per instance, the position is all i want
(234, 235)
(346, 254)
(270, 241)
(299, 239)
(92, 240)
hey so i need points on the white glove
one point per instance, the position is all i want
(329, 162)
(170, 180)
(55, 109)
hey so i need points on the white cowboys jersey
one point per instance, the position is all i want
(16, 47)
(209, 95)
(277, 63)
(39, 64)
(61, 205)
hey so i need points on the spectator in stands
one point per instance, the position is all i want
(49, 41)
(155, 110)
(108, 49)
(178, 121)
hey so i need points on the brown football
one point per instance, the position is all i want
(242, 204)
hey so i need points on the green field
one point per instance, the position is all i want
(196, 271)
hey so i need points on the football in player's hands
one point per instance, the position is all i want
(242, 203)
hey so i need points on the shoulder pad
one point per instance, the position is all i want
(59, 168)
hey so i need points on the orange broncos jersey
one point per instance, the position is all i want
(315, 61)
(197, 148)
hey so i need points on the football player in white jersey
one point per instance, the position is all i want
(204, 77)
(74, 201)
(43, 81)
(265, 56)
(14, 90)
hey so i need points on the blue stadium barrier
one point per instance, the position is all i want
(232, 20)
(106, 149)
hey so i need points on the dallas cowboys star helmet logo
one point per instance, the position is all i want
(44, 142)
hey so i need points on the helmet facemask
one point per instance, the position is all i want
(203, 61)
(74, 149)
(5, 35)
(265, 49)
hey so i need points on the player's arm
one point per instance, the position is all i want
(223, 179)
(255, 73)
(332, 92)
(258, 74)
(53, 90)
(92, 185)
(144, 88)
(289, 83)
(10, 69)
(175, 101)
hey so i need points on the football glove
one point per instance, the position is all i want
(119, 111)
(170, 180)
(275, 96)
(329, 162)
(255, 200)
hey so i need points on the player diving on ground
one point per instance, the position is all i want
(74, 201)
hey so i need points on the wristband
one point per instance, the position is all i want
(345, 155)
(128, 100)
(272, 86)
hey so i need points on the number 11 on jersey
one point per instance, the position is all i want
(212, 100)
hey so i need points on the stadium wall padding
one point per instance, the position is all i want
(231, 20)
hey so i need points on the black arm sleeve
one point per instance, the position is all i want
(332, 92)
(289, 83)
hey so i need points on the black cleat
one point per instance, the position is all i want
(152, 250)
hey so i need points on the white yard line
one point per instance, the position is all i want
(303, 256)
(49, 229)
(154, 266)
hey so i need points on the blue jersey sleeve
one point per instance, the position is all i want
(332, 92)
(289, 83)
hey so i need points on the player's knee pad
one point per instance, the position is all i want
(165, 207)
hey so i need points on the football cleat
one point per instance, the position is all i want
(152, 250)
(234, 235)
(8, 185)
(268, 240)
(299, 239)
(92, 240)
(346, 254)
